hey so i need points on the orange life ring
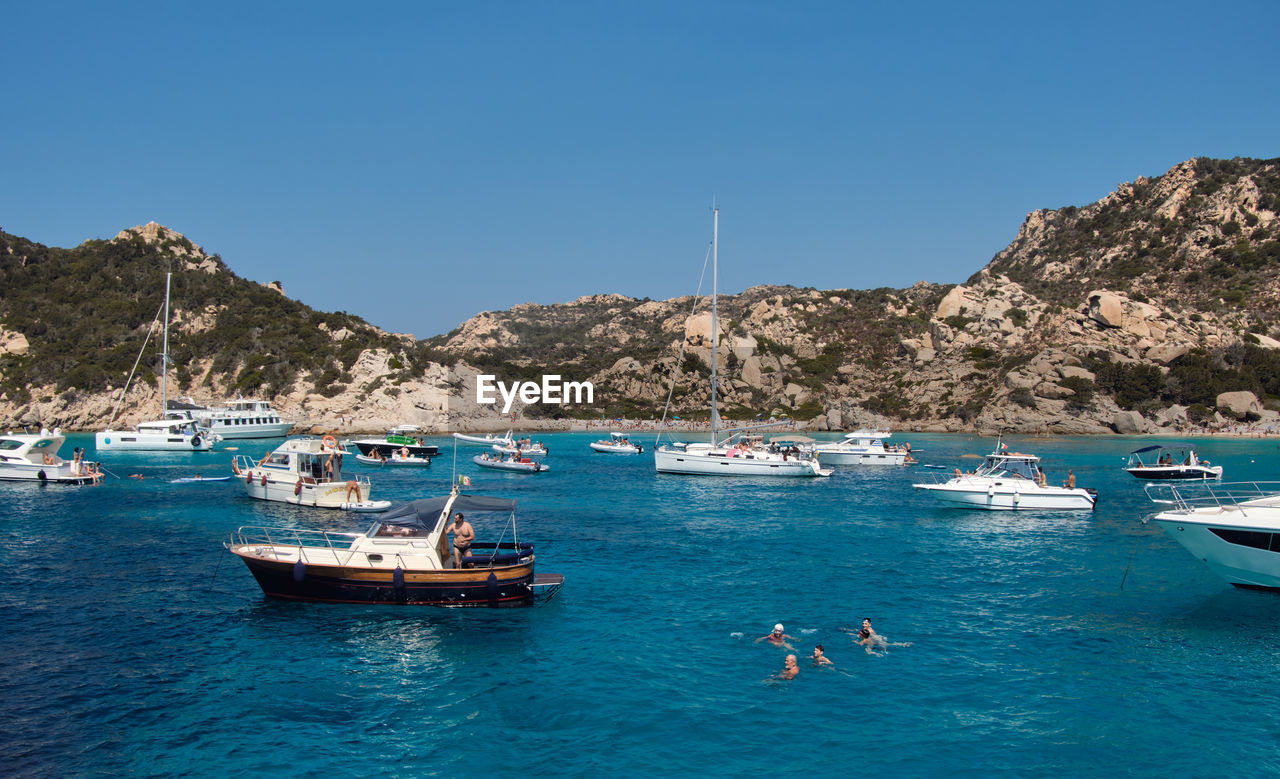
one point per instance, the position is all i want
(330, 442)
(297, 488)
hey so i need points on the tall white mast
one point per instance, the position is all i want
(715, 320)
(164, 358)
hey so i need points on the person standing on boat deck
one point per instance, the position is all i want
(463, 535)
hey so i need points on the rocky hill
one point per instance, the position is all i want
(1156, 307)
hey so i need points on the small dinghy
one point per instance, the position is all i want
(394, 460)
(197, 479)
(618, 443)
(524, 465)
(366, 506)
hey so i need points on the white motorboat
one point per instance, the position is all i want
(618, 443)
(510, 463)
(488, 439)
(722, 457)
(396, 459)
(863, 447)
(522, 448)
(164, 435)
(1170, 463)
(401, 438)
(235, 418)
(27, 457)
(1234, 528)
(1009, 481)
(303, 471)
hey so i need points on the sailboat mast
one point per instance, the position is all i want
(164, 357)
(715, 319)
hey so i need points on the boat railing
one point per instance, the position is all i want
(1206, 494)
(293, 537)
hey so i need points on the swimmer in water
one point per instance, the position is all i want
(871, 640)
(819, 657)
(777, 637)
(789, 669)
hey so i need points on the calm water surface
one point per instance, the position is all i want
(1040, 643)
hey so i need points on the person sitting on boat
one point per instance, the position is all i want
(1071, 479)
(463, 536)
(404, 453)
(777, 637)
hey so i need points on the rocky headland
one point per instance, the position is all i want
(1155, 309)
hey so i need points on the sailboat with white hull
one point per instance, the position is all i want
(163, 435)
(723, 457)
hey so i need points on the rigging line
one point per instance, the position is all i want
(127, 381)
(1130, 563)
(684, 340)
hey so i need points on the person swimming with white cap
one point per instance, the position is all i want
(777, 637)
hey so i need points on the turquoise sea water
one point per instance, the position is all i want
(134, 644)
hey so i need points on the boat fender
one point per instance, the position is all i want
(299, 571)
(330, 442)
(264, 480)
(491, 586)
(41, 475)
(195, 442)
(991, 492)
(1017, 498)
(248, 477)
(397, 578)
(297, 488)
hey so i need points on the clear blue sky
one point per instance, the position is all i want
(417, 163)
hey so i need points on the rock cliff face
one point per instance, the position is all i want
(1154, 308)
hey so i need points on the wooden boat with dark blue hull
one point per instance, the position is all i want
(404, 558)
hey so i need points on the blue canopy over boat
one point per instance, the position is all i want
(1146, 449)
(424, 513)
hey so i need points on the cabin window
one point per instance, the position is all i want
(1253, 538)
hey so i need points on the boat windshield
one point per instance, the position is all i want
(1011, 467)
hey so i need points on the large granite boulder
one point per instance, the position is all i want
(1106, 308)
(1128, 423)
(1238, 404)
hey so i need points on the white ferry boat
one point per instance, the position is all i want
(236, 418)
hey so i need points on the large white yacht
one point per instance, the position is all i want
(722, 456)
(28, 457)
(1233, 528)
(1009, 481)
(235, 418)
